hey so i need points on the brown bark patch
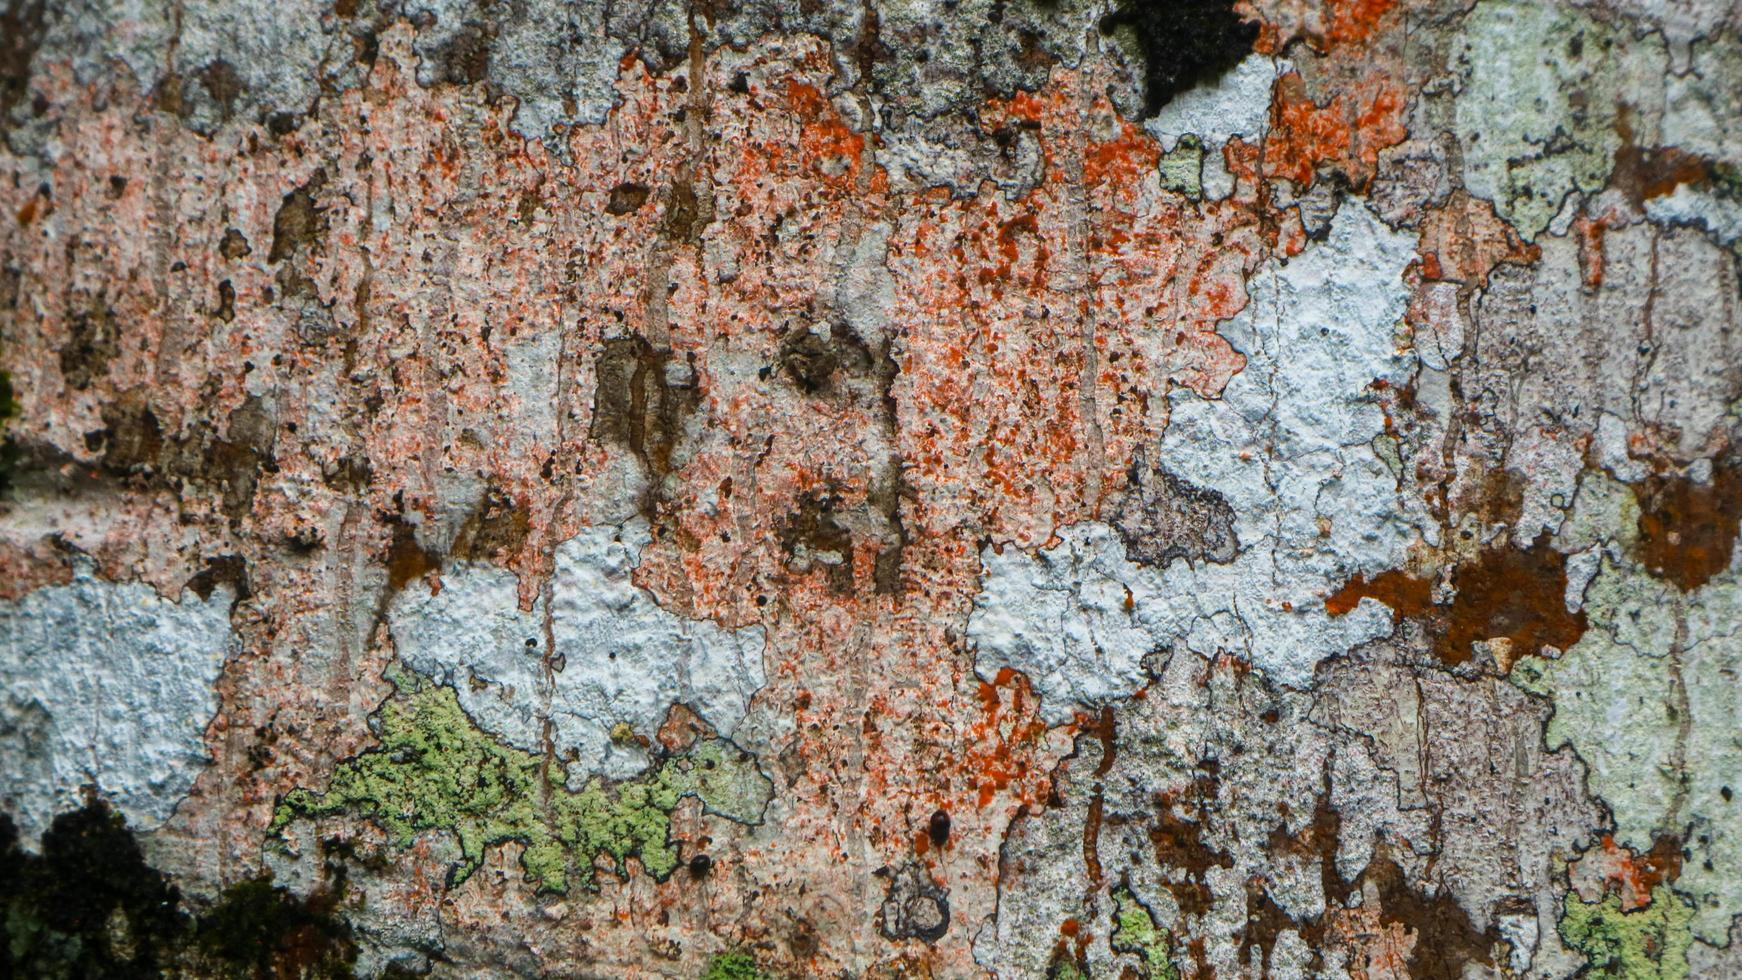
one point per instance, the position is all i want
(1179, 842)
(496, 529)
(407, 560)
(626, 198)
(95, 341)
(639, 404)
(1687, 530)
(1518, 594)
(298, 223)
(1163, 517)
(1446, 940)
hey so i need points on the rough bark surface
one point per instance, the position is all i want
(871, 488)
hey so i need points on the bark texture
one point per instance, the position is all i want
(871, 488)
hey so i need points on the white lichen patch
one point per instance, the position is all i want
(1649, 699)
(1288, 446)
(107, 686)
(1237, 104)
(618, 658)
(1546, 95)
(1716, 215)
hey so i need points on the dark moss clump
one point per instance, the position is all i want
(9, 410)
(1183, 42)
(259, 929)
(90, 906)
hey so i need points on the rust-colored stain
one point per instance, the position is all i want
(407, 561)
(1632, 875)
(1643, 173)
(1406, 594)
(1516, 594)
(1687, 530)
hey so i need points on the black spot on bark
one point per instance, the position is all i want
(283, 123)
(1183, 43)
(22, 25)
(938, 828)
(626, 198)
(226, 310)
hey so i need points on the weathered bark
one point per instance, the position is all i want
(1017, 487)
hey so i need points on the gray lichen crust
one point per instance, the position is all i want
(108, 687)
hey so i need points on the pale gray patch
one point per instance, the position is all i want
(866, 293)
(623, 659)
(1237, 104)
(533, 364)
(1287, 448)
(1163, 517)
(274, 51)
(108, 686)
(1542, 90)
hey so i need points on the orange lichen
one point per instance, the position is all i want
(1463, 240)
(1344, 134)
(1632, 875)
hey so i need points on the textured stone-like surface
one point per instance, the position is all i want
(873, 489)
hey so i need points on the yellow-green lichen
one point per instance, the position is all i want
(1182, 169)
(1647, 944)
(734, 965)
(1135, 931)
(437, 771)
